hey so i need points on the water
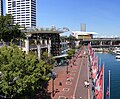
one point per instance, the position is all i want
(110, 63)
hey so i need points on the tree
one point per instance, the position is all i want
(70, 53)
(47, 59)
(21, 75)
(9, 30)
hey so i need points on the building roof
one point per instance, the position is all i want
(35, 30)
(82, 33)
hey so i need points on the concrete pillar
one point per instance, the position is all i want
(49, 41)
(110, 42)
(35, 42)
(101, 43)
(39, 51)
(41, 42)
(27, 47)
(45, 42)
(49, 49)
(77, 43)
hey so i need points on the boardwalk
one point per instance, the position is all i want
(72, 83)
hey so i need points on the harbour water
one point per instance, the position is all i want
(113, 65)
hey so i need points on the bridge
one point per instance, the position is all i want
(106, 42)
(105, 46)
(106, 39)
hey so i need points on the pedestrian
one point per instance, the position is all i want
(85, 83)
(60, 83)
(88, 83)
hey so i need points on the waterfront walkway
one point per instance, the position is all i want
(72, 84)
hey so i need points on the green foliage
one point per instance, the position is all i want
(70, 53)
(8, 31)
(47, 59)
(21, 74)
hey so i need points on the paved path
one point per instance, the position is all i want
(78, 73)
(82, 91)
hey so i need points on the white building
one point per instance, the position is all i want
(23, 11)
(83, 35)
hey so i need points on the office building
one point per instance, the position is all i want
(1, 7)
(23, 11)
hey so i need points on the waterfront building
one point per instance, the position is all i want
(83, 35)
(1, 7)
(44, 39)
(23, 11)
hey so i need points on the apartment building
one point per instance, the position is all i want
(23, 11)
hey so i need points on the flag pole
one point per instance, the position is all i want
(109, 84)
(99, 66)
(103, 82)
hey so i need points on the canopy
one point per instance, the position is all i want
(60, 56)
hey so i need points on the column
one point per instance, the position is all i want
(77, 43)
(41, 42)
(101, 43)
(27, 46)
(35, 42)
(49, 48)
(46, 42)
(39, 51)
(110, 42)
(49, 41)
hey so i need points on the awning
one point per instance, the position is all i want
(60, 56)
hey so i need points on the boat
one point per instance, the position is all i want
(116, 50)
(117, 56)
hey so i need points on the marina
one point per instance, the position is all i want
(114, 66)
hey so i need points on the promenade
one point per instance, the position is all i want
(72, 83)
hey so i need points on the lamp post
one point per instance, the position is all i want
(53, 76)
(67, 67)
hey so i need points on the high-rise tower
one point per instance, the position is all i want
(23, 11)
(83, 27)
(1, 7)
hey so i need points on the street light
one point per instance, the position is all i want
(67, 66)
(53, 76)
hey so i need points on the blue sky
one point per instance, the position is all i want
(101, 16)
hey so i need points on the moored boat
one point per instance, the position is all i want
(117, 56)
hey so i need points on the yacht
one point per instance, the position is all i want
(117, 56)
(117, 52)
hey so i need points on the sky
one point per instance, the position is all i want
(100, 16)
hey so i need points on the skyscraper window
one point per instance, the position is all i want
(13, 3)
